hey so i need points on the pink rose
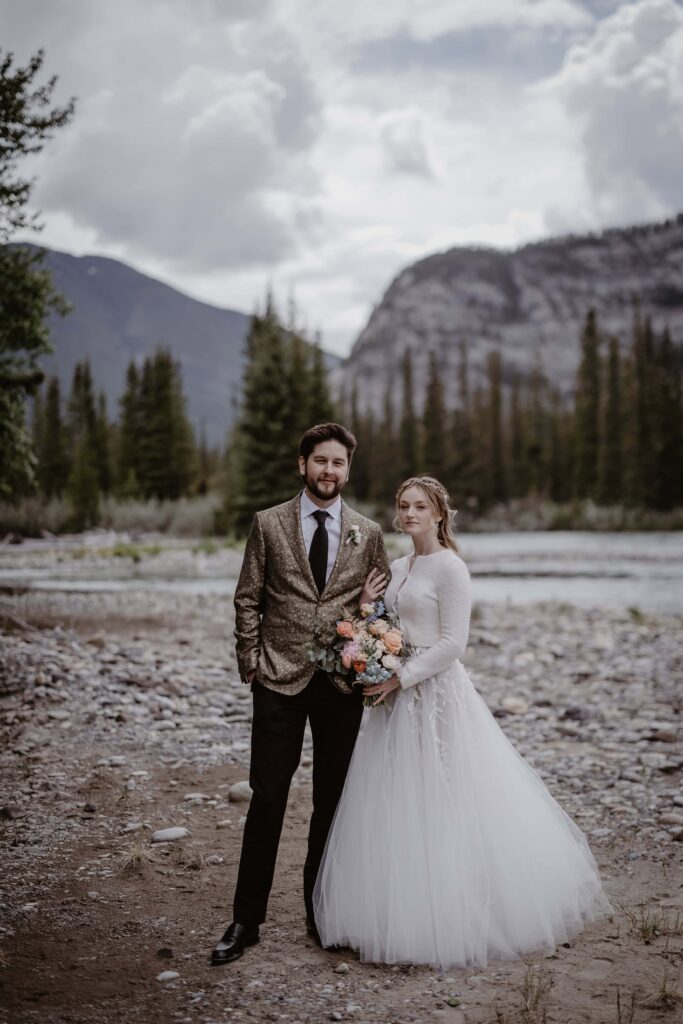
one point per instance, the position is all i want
(345, 629)
(393, 640)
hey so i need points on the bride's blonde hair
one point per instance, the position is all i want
(437, 496)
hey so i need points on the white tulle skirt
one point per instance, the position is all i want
(446, 847)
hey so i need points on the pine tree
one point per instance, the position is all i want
(166, 447)
(101, 445)
(434, 424)
(461, 473)
(83, 482)
(53, 461)
(320, 405)
(83, 487)
(267, 452)
(517, 443)
(536, 431)
(385, 475)
(38, 426)
(558, 486)
(636, 414)
(496, 488)
(409, 440)
(609, 489)
(130, 431)
(27, 296)
(668, 426)
(480, 474)
(586, 412)
(361, 429)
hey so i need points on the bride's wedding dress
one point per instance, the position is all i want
(446, 847)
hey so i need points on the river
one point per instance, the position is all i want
(616, 570)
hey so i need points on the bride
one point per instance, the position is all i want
(446, 847)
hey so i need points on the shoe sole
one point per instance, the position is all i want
(218, 962)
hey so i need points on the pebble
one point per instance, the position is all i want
(342, 968)
(515, 705)
(226, 823)
(9, 812)
(168, 976)
(170, 835)
(239, 792)
(671, 818)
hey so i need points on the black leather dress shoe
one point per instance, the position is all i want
(234, 942)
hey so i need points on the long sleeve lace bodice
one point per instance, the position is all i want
(433, 601)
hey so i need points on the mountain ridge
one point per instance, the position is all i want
(529, 303)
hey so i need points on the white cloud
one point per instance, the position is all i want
(187, 137)
(323, 147)
(624, 88)
(358, 21)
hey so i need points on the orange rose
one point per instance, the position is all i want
(359, 666)
(345, 629)
(393, 640)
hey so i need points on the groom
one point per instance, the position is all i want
(305, 563)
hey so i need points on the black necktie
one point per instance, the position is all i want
(317, 554)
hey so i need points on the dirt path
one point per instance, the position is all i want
(115, 710)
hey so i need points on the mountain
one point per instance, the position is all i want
(120, 314)
(528, 303)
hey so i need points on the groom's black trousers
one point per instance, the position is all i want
(276, 741)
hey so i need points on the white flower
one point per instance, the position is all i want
(354, 535)
(391, 662)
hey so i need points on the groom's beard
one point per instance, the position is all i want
(327, 493)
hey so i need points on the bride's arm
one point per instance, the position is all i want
(455, 604)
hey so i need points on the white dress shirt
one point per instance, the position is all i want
(333, 523)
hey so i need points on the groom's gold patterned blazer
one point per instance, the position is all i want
(277, 604)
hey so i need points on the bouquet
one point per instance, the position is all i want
(365, 650)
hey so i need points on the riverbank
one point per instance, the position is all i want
(122, 713)
(641, 571)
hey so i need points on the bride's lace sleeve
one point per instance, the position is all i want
(455, 602)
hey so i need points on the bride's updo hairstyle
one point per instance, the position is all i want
(437, 496)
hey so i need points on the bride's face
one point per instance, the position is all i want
(416, 513)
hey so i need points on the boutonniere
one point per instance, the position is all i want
(354, 535)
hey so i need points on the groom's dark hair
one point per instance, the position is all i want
(327, 432)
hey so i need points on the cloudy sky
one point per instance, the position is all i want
(320, 146)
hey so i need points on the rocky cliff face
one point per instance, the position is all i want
(528, 303)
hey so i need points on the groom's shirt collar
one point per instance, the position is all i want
(308, 507)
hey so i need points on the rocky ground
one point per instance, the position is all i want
(122, 715)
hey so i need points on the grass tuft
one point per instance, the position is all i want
(134, 859)
(667, 995)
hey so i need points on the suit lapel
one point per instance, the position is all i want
(344, 545)
(290, 519)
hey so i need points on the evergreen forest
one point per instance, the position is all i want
(618, 441)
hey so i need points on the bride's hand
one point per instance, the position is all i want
(375, 586)
(381, 690)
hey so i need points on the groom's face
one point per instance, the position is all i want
(326, 470)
